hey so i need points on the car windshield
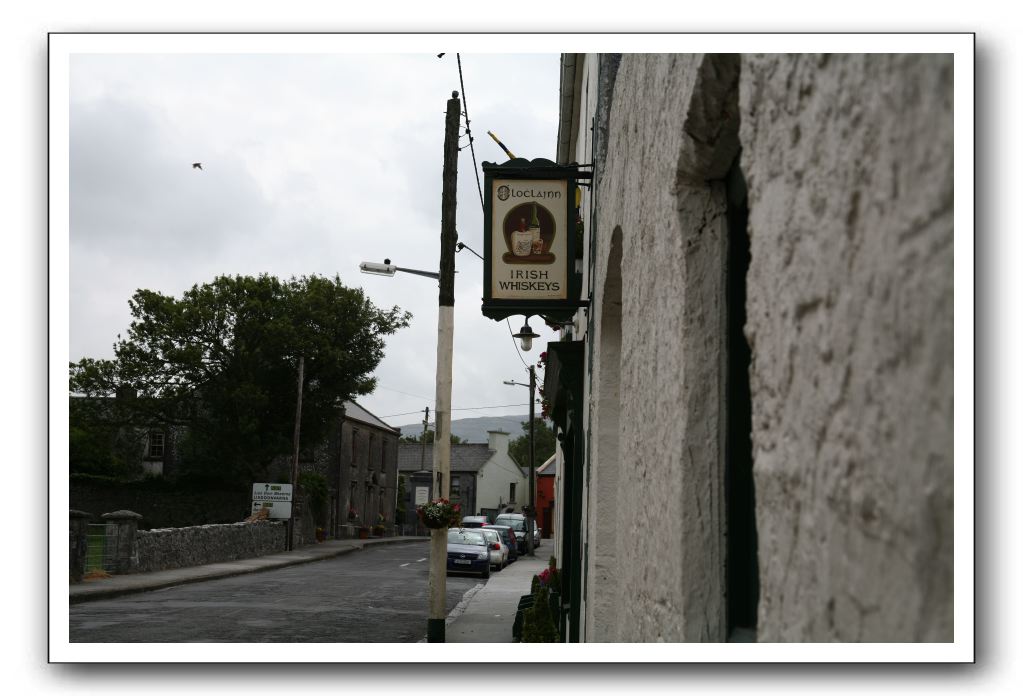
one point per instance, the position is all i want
(516, 524)
(492, 536)
(466, 536)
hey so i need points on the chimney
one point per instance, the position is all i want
(498, 440)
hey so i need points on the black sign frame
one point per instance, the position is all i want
(540, 170)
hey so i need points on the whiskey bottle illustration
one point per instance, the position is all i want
(536, 244)
(521, 239)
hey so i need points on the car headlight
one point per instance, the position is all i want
(483, 554)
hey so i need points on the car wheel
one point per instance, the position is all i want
(486, 573)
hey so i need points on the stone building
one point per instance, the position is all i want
(755, 412)
(364, 469)
(485, 479)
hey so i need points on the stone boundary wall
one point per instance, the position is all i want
(163, 549)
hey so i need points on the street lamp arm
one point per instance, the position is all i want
(389, 269)
(428, 274)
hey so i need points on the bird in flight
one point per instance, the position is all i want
(196, 165)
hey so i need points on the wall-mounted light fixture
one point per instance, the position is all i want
(526, 336)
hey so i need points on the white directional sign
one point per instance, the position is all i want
(422, 494)
(271, 492)
(278, 511)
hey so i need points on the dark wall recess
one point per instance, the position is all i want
(743, 584)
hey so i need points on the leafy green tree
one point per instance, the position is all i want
(543, 443)
(99, 444)
(223, 360)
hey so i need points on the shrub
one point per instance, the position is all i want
(538, 623)
(315, 487)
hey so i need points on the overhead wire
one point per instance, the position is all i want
(468, 131)
(479, 187)
(465, 408)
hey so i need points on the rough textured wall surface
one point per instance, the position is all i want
(162, 549)
(848, 160)
(671, 231)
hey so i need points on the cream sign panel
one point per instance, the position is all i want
(530, 239)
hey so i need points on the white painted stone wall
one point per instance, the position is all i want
(849, 166)
(848, 162)
(492, 482)
(665, 581)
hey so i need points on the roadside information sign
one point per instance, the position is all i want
(271, 492)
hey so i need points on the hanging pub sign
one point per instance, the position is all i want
(529, 239)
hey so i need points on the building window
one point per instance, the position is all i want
(511, 493)
(156, 446)
(456, 487)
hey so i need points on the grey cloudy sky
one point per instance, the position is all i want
(311, 164)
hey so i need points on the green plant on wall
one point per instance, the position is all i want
(400, 509)
(314, 486)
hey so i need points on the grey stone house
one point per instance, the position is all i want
(144, 448)
(359, 461)
(485, 479)
(357, 458)
(764, 375)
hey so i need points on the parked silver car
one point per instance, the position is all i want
(498, 551)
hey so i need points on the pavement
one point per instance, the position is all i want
(485, 614)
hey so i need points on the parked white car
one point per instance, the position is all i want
(498, 551)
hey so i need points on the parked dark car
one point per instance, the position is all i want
(468, 552)
(517, 521)
(508, 537)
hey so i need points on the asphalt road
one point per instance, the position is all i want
(375, 595)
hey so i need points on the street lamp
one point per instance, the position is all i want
(388, 269)
(526, 336)
(531, 511)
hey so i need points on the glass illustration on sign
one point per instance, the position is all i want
(529, 242)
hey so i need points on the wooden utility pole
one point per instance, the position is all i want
(445, 347)
(422, 442)
(294, 459)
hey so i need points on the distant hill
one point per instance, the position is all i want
(475, 429)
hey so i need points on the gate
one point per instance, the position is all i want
(99, 554)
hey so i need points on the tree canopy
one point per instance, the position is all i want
(543, 443)
(223, 360)
(428, 438)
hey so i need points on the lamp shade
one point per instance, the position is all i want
(526, 336)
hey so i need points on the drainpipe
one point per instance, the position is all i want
(569, 107)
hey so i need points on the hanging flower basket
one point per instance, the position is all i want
(440, 514)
